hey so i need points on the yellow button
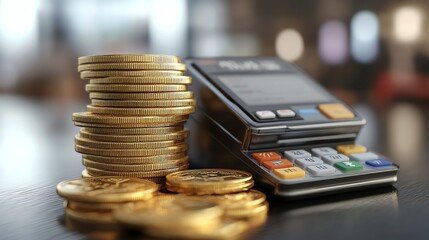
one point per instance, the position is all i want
(351, 149)
(289, 173)
(336, 111)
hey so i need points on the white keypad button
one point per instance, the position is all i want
(319, 152)
(362, 157)
(332, 159)
(265, 115)
(294, 154)
(308, 161)
(321, 170)
(285, 113)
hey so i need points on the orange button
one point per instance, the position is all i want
(336, 111)
(266, 156)
(289, 173)
(274, 164)
(351, 149)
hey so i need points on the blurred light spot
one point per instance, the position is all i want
(209, 44)
(18, 26)
(333, 42)
(289, 45)
(364, 36)
(167, 27)
(106, 26)
(407, 24)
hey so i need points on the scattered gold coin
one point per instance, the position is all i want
(106, 189)
(91, 216)
(209, 181)
(210, 189)
(172, 211)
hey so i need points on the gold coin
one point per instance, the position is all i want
(249, 212)
(143, 80)
(103, 74)
(158, 219)
(140, 103)
(134, 131)
(208, 190)
(97, 230)
(134, 88)
(90, 216)
(247, 199)
(106, 189)
(155, 173)
(131, 66)
(256, 220)
(130, 125)
(110, 119)
(86, 206)
(171, 211)
(227, 229)
(135, 138)
(159, 181)
(232, 188)
(209, 177)
(238, 200)
(134, 167)
(119, 58)
(124, 145)
(135, 160)
(142, 111)
(142, 96)
(131, 152)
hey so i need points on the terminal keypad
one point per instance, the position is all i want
(320, 161)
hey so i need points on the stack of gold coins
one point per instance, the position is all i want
(211, 204)
(179, 217)
(229, 188)
(92, 200)
(209, 181)
(134, 125)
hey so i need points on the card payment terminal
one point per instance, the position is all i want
(266, 116)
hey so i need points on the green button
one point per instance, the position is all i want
(349, 166)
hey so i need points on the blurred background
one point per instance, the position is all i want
(374, 55)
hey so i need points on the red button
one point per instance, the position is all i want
(274, 164)
(266, 156)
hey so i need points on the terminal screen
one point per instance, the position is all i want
(275, 89)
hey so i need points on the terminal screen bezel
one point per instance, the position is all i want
(252, 109)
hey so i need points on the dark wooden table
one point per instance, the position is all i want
(40, 154)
